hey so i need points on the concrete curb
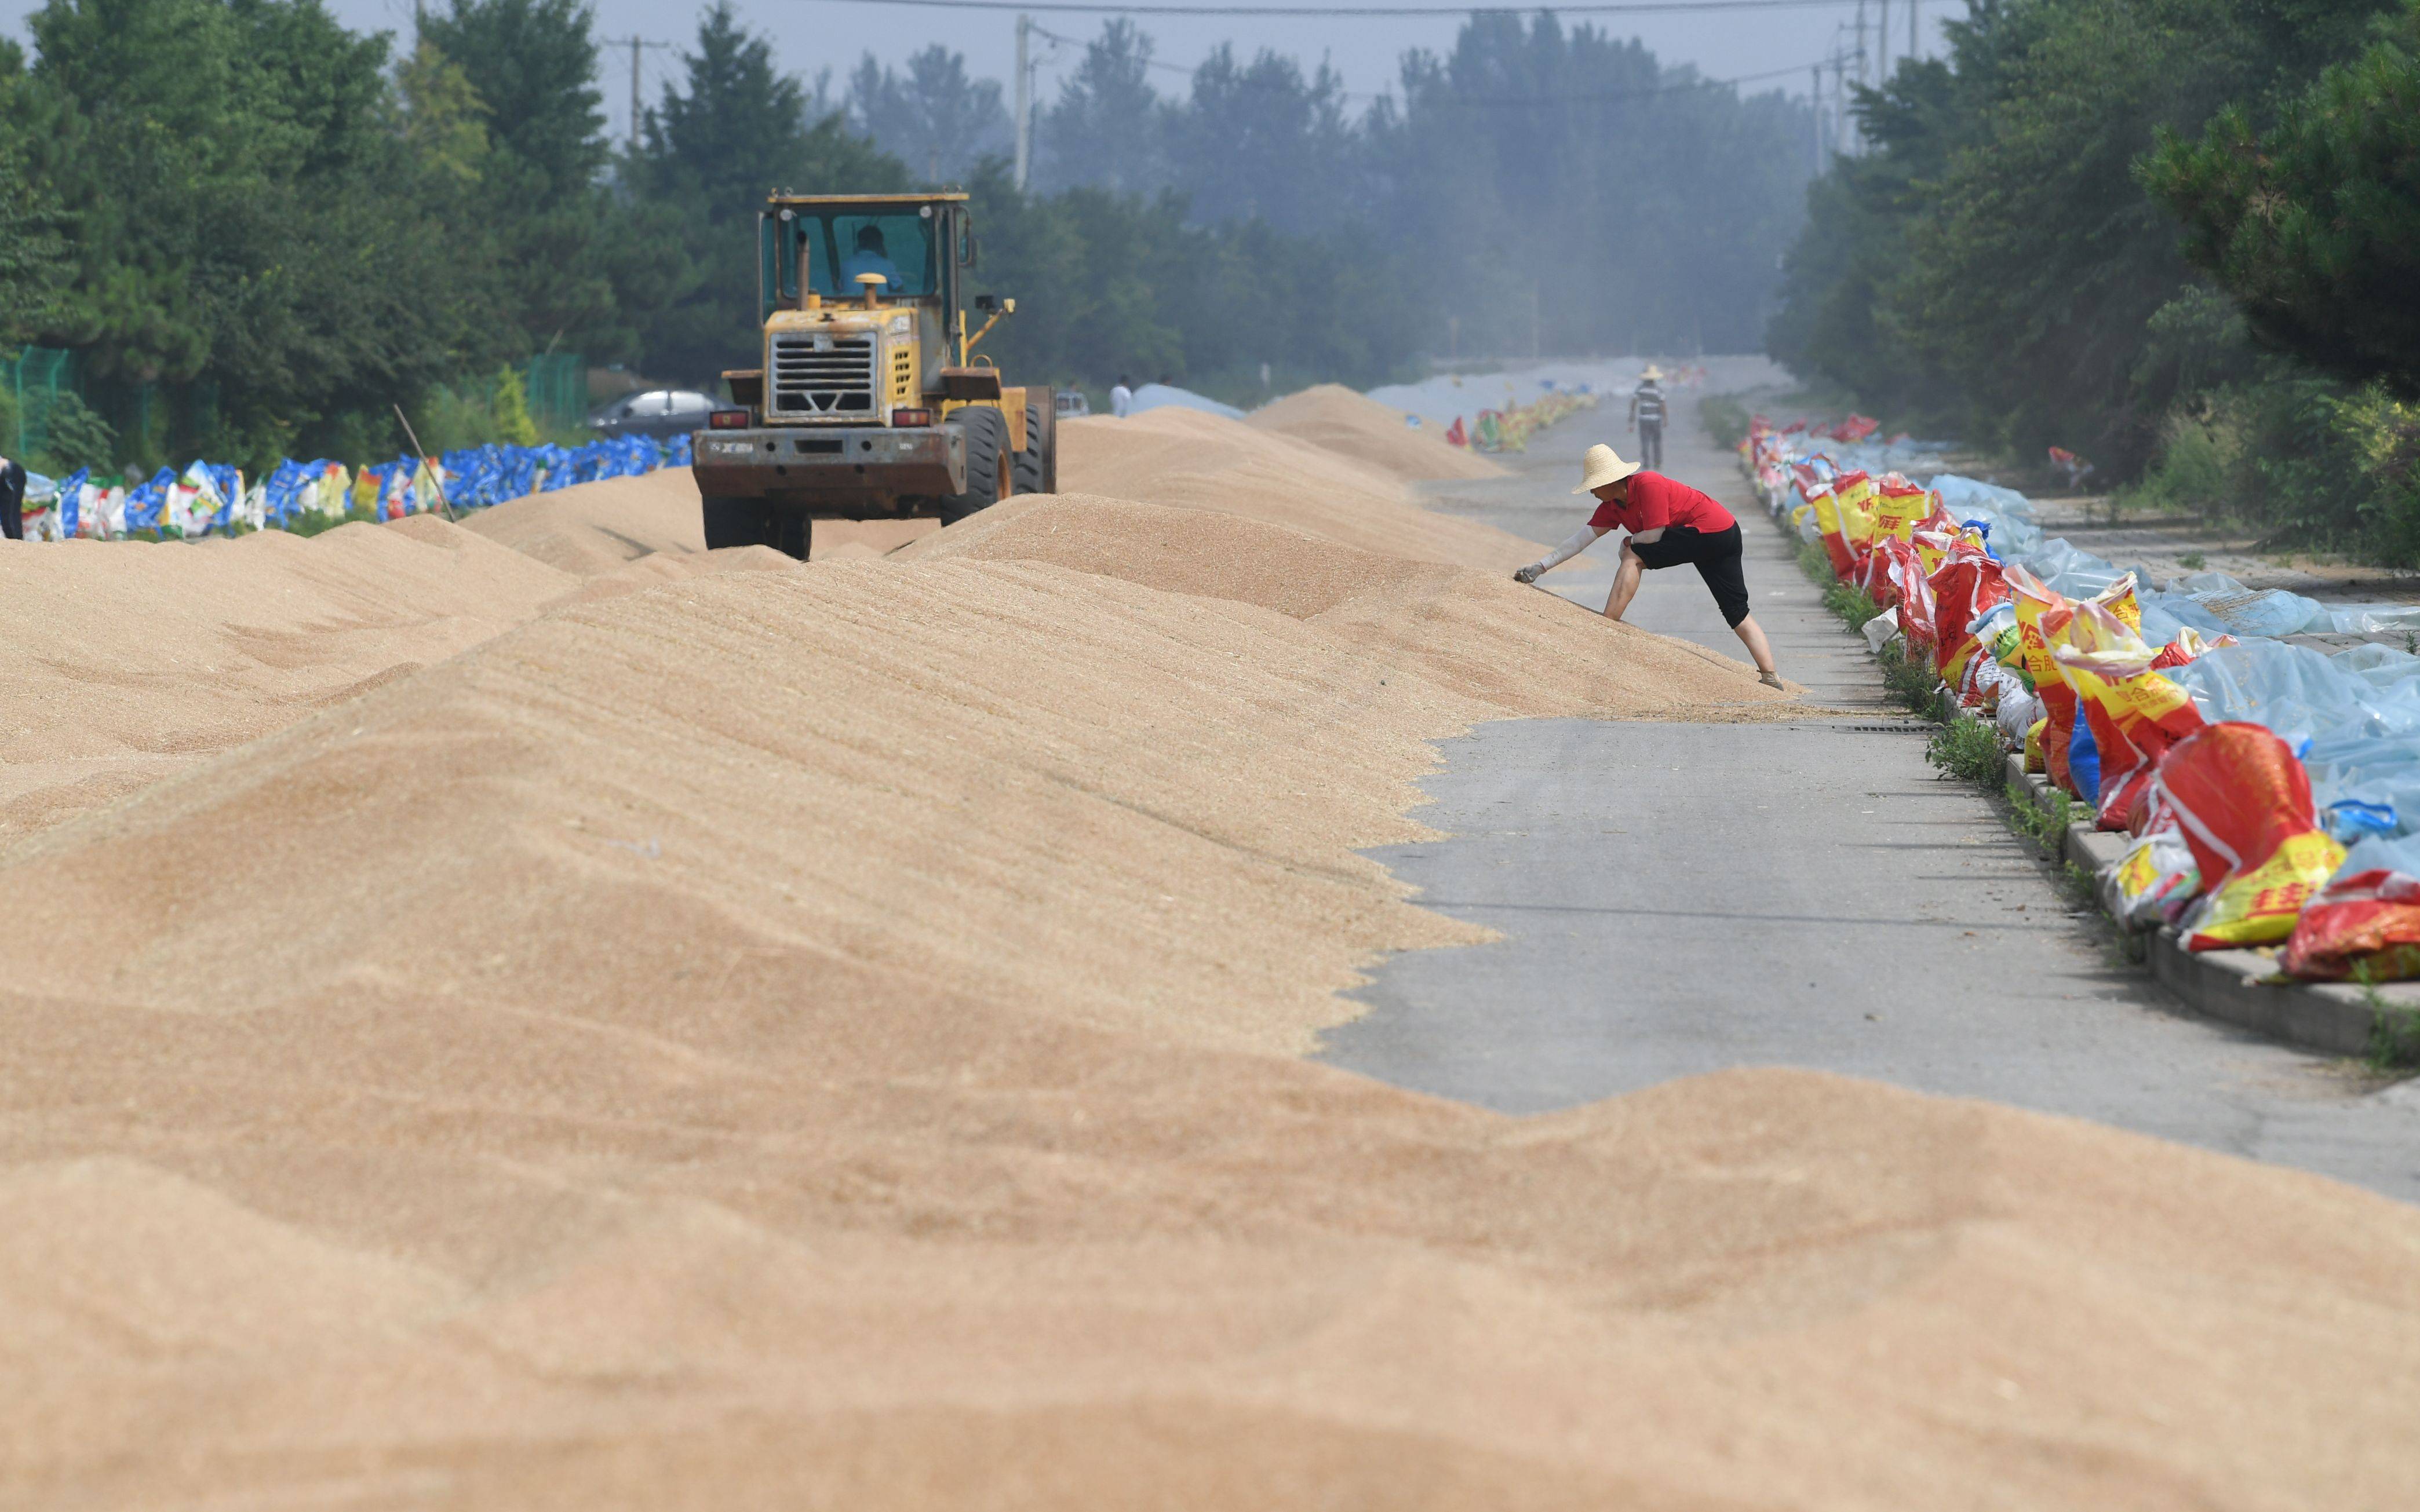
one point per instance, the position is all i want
(2238, 987)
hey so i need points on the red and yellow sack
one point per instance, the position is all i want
(1899, 504)
(1965, 586)
(2135, 714)
(2041, 611)
(1910, 592)
(1827, 525)
(2245, 805)
(2370, 918)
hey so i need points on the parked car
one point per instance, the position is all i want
(1072, 404)
(662, 414)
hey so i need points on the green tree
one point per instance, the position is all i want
(533, 65)
(229, 172)
(32, 254)
(931, 116)
(558, 266)
(711, 149)
(1998, 248)
(1106, 128)
(2314, 225)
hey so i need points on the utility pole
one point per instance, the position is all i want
(1911, 27)
(1024, 103)
(1881, 41)
(1815, 99)
(1840, 105)
(1864, 78)
(636, 45)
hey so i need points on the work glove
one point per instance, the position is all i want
(1528, 574)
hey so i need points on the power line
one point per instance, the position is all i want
(1608, 7)
(1507, 100)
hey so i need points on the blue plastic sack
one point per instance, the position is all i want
(71, 500)
(2084, 762)
(146, 502)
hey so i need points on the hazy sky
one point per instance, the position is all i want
(812, 35)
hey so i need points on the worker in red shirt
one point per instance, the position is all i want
(1668, 523)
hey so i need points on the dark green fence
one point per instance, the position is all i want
(35, 377)
(558, 389)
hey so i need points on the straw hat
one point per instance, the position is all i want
(1600, 466)
(1653, 375)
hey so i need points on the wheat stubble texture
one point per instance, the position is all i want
(829, 1036)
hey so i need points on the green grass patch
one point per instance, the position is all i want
(2078, 883)
(2394, 1032)
(1853, 604)
(1968, 750)
(2193, 561)
(2045, 823)
(1912, 684)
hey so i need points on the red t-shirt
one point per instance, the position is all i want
(1657, 501)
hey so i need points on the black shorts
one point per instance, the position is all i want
(1716, 557)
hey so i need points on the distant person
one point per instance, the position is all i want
(1668, 523)
(870, 256)
(1647, 417)
(1120, 398)
(12, 498)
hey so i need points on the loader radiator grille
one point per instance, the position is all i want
(836, 378)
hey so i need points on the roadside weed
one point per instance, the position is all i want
(2394, 1032)
(1911, 683)
(1969, 750)
(2045, 823)
(2079, 884)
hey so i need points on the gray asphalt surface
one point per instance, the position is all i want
(1684, 898)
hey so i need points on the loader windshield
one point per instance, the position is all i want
(839, 245)
(831, 245)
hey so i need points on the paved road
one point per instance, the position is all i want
(1681, 898)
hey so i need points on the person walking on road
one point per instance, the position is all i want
(1647, 417)
(1668, 523)
(1120, 398)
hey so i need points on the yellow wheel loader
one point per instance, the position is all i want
(872, 402)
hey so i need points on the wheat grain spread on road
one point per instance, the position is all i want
(828, 1037)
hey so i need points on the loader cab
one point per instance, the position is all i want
(859, 299)
(921, 244)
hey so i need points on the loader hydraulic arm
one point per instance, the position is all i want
(968, 344)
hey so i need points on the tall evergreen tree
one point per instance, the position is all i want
(1106, 127)
(2314, 225)
(931, 116)
(532, 64)
(1259, 139)
(713, 146)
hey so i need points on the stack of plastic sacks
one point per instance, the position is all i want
(210, 498)
(2142, 704)
(1509, 429)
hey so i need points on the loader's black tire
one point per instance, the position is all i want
(731, 522)
(1035, 469)
(987, 433)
